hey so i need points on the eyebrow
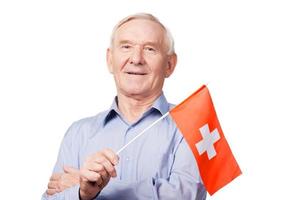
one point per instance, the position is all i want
(155, 44)
(124, 42)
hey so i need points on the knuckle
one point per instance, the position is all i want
(111, 170)
(101, 167)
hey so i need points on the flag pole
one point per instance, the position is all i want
(141, 133)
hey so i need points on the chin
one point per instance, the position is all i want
(136, 92)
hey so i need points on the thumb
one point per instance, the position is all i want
(70, 170)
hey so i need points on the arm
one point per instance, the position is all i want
(66, 177)
(183, 182)
(87, 182)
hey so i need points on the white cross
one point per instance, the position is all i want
(208, 140)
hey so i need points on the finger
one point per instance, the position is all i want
(67, 181)
(89, 175)
(70, 170)
(55, 176)
(95, 166)
(104, 175)
(104, 164)
(109, 168)
(50, 191)
(111, 156)
(53, 185)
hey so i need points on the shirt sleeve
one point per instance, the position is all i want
(68, 194)
(69, 150)
(67, 156)
(183, 183)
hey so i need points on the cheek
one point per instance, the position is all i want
(160, 69)
(158, 76)
(119, 62)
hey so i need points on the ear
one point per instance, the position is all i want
(109, 60)
(171, 65)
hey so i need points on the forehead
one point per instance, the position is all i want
(140, 31)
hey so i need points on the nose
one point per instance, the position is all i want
(137, 56)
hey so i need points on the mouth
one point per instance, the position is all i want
(136, 73)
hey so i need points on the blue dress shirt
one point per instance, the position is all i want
(158, 165)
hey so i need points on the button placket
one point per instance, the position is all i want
(126, 155)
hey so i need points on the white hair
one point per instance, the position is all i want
(168, 36)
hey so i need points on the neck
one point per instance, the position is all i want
(132, 107)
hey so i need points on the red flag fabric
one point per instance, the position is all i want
(197, 120)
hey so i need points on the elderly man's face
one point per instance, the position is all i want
(138, 58)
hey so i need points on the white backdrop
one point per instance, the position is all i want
(53, 72)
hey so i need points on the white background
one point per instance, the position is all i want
(53, 72)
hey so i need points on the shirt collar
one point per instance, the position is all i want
(160, 105)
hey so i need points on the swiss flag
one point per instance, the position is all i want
(197, 120)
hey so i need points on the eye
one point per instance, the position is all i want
(150, 49)
(125, 46)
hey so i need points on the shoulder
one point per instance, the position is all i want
(87, 126)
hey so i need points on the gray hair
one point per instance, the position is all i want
(150, 17)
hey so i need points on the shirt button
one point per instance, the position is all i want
(127, 158)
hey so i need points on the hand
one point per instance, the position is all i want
(96, 173)
(60, 181)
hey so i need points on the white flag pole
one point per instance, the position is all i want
(142, 132)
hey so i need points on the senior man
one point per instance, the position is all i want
(158, 165)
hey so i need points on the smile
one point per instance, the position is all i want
(136, 73)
